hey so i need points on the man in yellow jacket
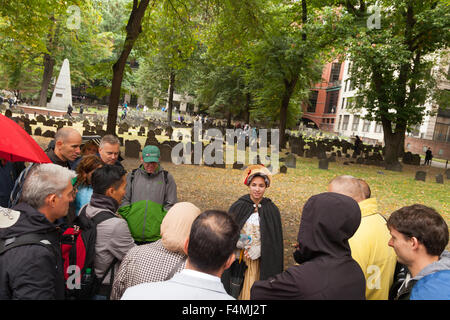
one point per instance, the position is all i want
(369, 245)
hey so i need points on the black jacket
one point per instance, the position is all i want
(326, 271)
(271, 262)
(32, 272)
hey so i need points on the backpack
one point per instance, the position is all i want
(78, 252)
(16, 192)
(24, 240)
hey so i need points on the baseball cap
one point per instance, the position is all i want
(150, 154)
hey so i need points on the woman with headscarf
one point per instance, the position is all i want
(261, 241)
(159, 260)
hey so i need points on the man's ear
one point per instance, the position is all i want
(414, 243)
(109, 192)
(186, 246)
(59, 143)
(50, 200)
(230, 261)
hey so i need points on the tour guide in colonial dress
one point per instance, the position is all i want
(261, 241)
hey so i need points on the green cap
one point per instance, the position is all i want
(150, 154)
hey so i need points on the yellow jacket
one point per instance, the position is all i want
(370, 249)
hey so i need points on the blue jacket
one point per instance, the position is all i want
(435, 286)
(83, 197)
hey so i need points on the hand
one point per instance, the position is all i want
(254, 252)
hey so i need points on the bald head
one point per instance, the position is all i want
(347, 185)
(365, 188)
(67, 144)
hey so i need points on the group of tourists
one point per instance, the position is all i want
(150, 246)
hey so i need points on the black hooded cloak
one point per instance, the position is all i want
(271, 260)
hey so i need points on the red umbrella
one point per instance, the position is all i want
(17, 145)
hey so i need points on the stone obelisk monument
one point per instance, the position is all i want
(62, 95)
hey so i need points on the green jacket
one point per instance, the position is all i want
(147, 199)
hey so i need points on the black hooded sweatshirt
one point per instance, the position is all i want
(326, 271)
(271, 260)
(32, 272)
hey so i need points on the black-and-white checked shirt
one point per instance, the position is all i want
(146, 263)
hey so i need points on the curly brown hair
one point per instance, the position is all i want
(86, 165)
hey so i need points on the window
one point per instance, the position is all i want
(441, 132)
(355, 123)
(331, 102)
(335, 71)
(312, 101)
(378, 128)
(345, 123)
(343, 103)
(339, 123)
(366, 126)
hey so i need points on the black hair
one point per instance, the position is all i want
(212, 240)
(106, 177)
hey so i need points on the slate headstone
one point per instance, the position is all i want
(420, 175)
(439, 178)
(291, 161)
(323, 164)
(132, 148)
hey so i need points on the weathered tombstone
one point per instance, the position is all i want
(407, 158)
(238, 166)
(323, 164)
(40, 118)
(360, 160)
(439, 178)
(394, 167)
(283, 169)
(38, 131)
(415, 161)
(132, 148)
(166, 153)
(420, 175)
(49, 134)
(447, 173)
(291, 161)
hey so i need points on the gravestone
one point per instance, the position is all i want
(49, 134)
(420, 175)
(238, 166)
(40, 118)
(447, 173)
(166, 153)
(415, 161)
(439, 178)
(323, 164)
(291, 161)
(38, 131)
(132, 148)
(283, 169)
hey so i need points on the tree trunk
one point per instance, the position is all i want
(394, 144)
(247, 107)
(288, 91)
(170, 99)
(134, 28)
(49, 64)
